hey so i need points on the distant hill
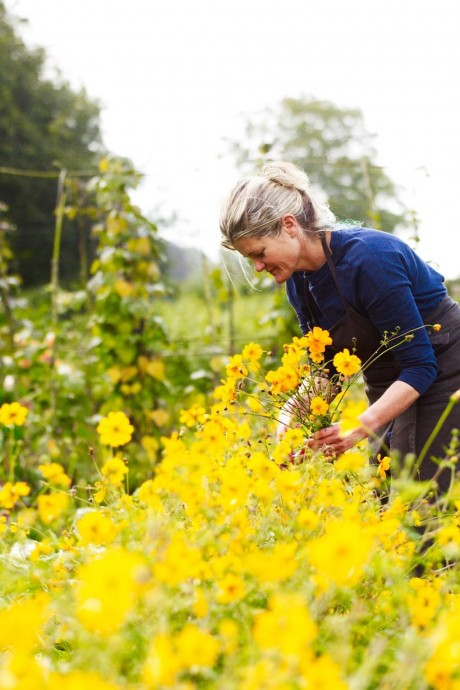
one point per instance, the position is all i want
(182, 263)
(186, 264)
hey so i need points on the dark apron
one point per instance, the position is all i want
(408, 432)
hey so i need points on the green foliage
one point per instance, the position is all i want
(333, 146)
(74, 356)
(44, 126)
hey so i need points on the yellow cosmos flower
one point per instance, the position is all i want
(13, 414)
(11, 493)
(252, 352)
(318, 406)
(107, 588)
(286, 626)
(236, 368)
(151, 445)
(193, 416)
(51, 506)
(115, 470)
(96, 528)
(283, 379)
(322, 673)
(317, 340)
(196, 647)
(115, 429)
(384, 465)
(342, 552)
(423, 604)
(351, 462)
(75, 680)
(21, 624)
(346, 363)
(231, 588)
(161, 665)
(54, 473)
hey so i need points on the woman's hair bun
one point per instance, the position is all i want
(286, 174)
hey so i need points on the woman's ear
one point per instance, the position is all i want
(290, 224)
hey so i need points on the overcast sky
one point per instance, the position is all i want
(175, 78)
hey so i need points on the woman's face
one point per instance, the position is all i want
(279, 255)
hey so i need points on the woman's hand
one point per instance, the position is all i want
(333, 442)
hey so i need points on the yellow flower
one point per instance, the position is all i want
(318, 406)
(107, 588)
(350, 413)
(322, 673)
(162, 664)
(424, 603)
(21, 623)
(252, 352)
(196, 647)
(342, 552)
(317, 340)
(436, 327)
(231, 588)
(236, 369)
(384, 465)
(151, 445)
(100, 493)
(200, 605)
(307, 518)
(193, 416)
(11, 493)
(316, 357)
(13, 414)
(287, 626)
(54, 474)
(51, 506)
(115, 429)
(148, 493)
(75, 680)
(284, 379)
(115, 470)
(351, 462)
(346, 363)
(96, 528)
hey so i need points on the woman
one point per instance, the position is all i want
(359, 284)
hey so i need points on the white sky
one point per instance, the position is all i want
(176, 77)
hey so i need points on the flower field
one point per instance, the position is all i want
(233, 565)
(156, 532)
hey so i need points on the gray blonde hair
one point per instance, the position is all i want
(256, 205)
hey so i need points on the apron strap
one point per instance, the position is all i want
(311, 304)
(330, 263)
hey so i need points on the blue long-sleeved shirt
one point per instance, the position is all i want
(383, 279)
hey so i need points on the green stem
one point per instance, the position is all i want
(60, 210)
(12, 454)
(435, 432)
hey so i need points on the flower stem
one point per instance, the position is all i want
(452, 401)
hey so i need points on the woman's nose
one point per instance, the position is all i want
(259, 265)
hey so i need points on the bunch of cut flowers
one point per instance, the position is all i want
(306, 391)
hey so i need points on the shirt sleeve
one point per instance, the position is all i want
(384, 293)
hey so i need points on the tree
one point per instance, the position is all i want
(44, 127)
(332, 145)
